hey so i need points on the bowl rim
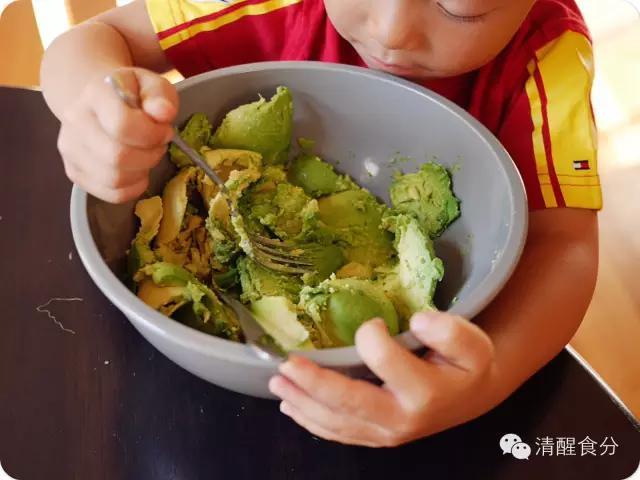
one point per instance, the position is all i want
(194, 340)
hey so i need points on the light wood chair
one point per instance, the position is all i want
(22, 42)
(21, 45)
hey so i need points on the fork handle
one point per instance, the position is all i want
(197, 159)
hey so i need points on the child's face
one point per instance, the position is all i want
(427, 38)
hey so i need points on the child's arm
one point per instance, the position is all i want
(545, 301)
(107, 147)
(532, 319)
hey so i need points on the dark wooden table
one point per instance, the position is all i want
(101, 403)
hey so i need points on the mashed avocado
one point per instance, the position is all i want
(427, 195)
(367, 260)
(258, 281)
(282, 208)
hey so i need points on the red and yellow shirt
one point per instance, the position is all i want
(534, 96)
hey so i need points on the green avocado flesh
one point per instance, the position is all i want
(354, 217)
(427, 195)
(263, 126)
(365, 259)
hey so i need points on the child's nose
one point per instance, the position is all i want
(394, 25)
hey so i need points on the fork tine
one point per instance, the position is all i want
(283, 256)
(284, 260)
(268, 262)
(270, 242)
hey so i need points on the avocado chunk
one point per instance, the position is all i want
(314, 176)
(168, 287)
(149, 212)
(224, 162)
(354, 217)
(279, 318)
(175, 198)
(262, 126)
(166, 299)
(412, 281)
(326, 259)
(341, 306)
(228, 235)
(258, 281)
(428, 196)
(284, 209)
(182, 239)
(275, 207)
(355, 270)
(226, 280)
(221, 232)
(166, 274)
(196, 134)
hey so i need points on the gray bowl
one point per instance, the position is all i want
(361, 120)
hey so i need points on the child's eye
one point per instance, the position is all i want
(461, 18)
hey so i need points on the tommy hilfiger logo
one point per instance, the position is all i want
(581, 165)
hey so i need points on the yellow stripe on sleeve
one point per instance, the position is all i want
(166, 14)
(566, 68)
(540, 155)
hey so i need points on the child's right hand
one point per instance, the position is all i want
(108, 148)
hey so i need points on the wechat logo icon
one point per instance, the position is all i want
(513, 444)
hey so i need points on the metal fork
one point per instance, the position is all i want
(253, 332)
(273, 254)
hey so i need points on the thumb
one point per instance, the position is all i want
(158, 97)
(454, 338)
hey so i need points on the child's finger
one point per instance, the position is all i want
(159, 97)
(116, 179)
(406, 375)
(121, 194)
(343, 426)
(459, 341)
(90, 181)
(112, 154)
(297, 416)
(124, 124)
(340, 393)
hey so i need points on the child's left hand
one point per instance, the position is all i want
(454, 383)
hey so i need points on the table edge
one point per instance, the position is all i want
(605, 386)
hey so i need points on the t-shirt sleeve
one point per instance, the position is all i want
(549, 127)
(198, 36)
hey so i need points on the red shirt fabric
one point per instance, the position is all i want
(534, 96)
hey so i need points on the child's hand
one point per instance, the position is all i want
(452, 385)
(107, 147)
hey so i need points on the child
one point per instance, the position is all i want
(522, 67)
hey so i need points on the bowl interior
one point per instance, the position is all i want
(369, 126)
